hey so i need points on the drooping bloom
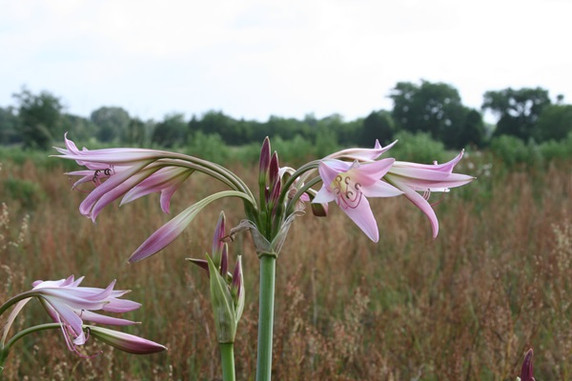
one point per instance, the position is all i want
(131, 173)
(124, 172)
(69, 304)
(412, 178)
(349, 185)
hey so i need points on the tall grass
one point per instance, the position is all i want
(462, 307)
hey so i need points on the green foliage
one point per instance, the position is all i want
(551, 149)
(40, 118)
(518, 110)
(171, 131)
(377, 125)
(112, 122)
(294, 151)
(326, 143)
(554, 123)
(436, 108)
(512, 150)
(419, 148)
(28, 193)
(209, 147)
(9, 125)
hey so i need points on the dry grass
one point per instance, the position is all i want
(465, 306)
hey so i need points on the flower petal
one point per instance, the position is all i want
(364, 219)
(421, 203)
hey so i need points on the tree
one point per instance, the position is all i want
(9, 133)
(171, 131)
(554, 123)
(80, 128)
(434, 108)
(377, 125)
(136, 132)
(112, 122)
(473, 132)
(40, 118)
(518, 110)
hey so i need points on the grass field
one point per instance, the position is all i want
(464, 306)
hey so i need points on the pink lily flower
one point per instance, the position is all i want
(125, 341)
(348, 184)
(69, 304)
(412, 178)
(173, 228)
(166, 181)
(124, 172)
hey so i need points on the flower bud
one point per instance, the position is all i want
(219, 234)
(125, 341)
(273, 171)
(223, 304)
(526, 372)
(264, 162)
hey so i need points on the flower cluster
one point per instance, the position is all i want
(70, 305)
(349, 177)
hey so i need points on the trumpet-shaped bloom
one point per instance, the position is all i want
(349, 185)
(69, 304)
(412, 178)
(124, 172)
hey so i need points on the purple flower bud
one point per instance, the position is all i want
(125, 341)
(203, 264)
(224, 260)
(526, 372)
(275, 194)
(218, 243)
(264, 162)
(237, 278)
(274, 169)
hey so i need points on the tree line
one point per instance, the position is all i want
(436, 109)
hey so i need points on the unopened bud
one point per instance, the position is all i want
(273, 171)
(526, 372)
(125, 341)
(200, 262)
(224, 260)
(264, 162)
(218, 237)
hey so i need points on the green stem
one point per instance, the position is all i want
(16, 299)
(266, 316)
(6, 348)
(227, 360)
(27, 331)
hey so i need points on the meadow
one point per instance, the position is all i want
(465, 306)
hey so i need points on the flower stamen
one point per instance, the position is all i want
(348, 193)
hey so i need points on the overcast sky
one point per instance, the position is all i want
(252, 59)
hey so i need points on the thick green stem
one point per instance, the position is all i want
(266, 316)
(227, 361)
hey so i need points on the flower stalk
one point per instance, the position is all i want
(266, 316)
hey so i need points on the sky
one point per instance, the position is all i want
(253, 59)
